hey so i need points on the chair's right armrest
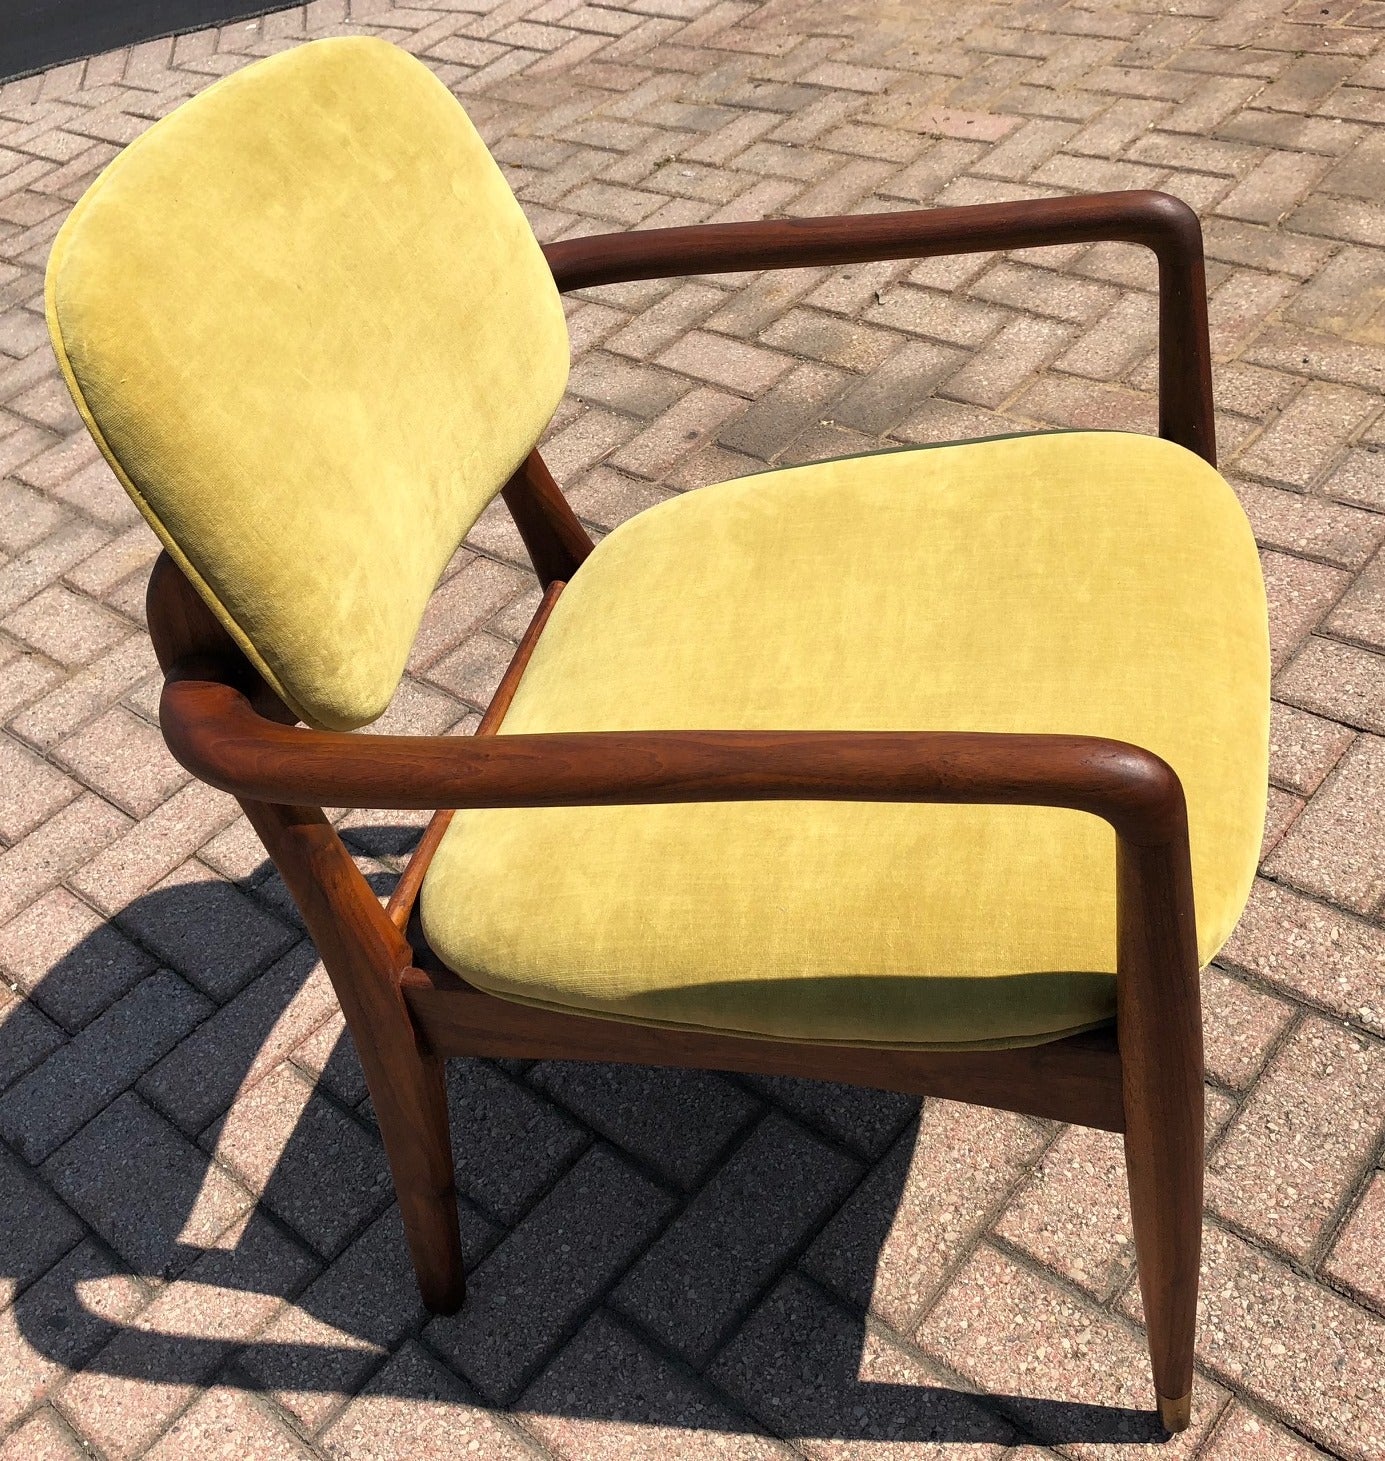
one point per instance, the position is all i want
(216, 733)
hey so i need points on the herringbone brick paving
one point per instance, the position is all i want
(199, 1249)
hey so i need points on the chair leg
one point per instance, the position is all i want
(364, 954)
(414, 1128)
(1163, 1162)
(1159, 1031)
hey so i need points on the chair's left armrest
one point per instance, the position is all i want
(1158, 221)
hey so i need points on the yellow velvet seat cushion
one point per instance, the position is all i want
(1095, 583)
(309, 327)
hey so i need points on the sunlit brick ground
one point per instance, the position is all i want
(199, 1250)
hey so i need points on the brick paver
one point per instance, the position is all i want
(199, 1253)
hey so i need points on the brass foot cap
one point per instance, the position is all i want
(1176, 1414)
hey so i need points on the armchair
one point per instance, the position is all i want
(984, 863)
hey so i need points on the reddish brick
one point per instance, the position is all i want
(1120, 339)
(49, 1104)
(1343, 294)
(413, 1407)
(609, 1396)
(637, 1106)
(848, 345)
(461, 605)
(750, 308)
(1313, 951)
(1360, 479)
(1273, 189)
(43, 1437)
(510, 1146)
(151, 849)
(86, 693)
(997, 371)
(889, 394)
(473, 671)
(1308, 435)
(124, 758)
(1359, 172)
(228, 1425)
(678, 430)
(30, 790)
(328, 1341)
(1281, 811)
(1337, 680)
(525, 1297)
(1360, 614)
(1304, 1353)
(1311, 526)
(242, 1042)
(66, 627)
(1296, 350)
(53, 849)
(1073, 1215)
(1239, 305)
(1303, 748)
(1083, 405)
(1299, 593)
(316, 1169)
(689, 1289)
(892, 1245)
(583, 443)
(932, 172)
(843, 1388)
(665, 321)
(685, 111)
(842, 189)
(925, 312)
(1240, 1026)
(1357, 1259)
(144, 1189)
(59, 1323)
(606, 498)
(725, 362)
(1244, 1436)
(1337, 847)
(1028, 1342)
(1300, 1142)
(1040, 291)
(151, 1370)
(67, 959)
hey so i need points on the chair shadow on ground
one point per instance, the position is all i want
(528, 1141)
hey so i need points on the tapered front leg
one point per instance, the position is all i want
(1159, 1030)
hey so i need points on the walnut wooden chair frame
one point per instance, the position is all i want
(406, 1012)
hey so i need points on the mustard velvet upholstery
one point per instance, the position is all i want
(309, 327)
(1094, 583)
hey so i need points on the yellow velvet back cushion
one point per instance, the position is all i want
(308, 325)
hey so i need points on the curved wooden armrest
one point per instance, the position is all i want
(1158, 221)
(214, 731)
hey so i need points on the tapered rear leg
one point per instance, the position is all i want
(414, 1128)
(1159, 1029)
(365, 954)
